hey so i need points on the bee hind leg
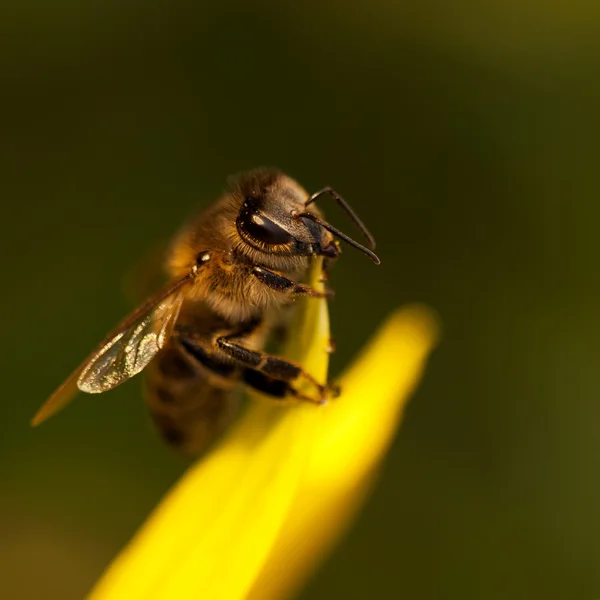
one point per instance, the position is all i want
(276, 369)
(276, 388)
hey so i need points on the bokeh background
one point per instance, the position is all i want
(466, 136)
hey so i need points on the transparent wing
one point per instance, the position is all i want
(132, 349)
(125, 351)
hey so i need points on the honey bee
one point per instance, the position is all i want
(233, 269)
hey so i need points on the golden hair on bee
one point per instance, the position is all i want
(233, 270)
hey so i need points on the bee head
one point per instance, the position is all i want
(270, 218)
(278, 217)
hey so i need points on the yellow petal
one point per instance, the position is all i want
(210, 536)
(351, 438)
(253, 517)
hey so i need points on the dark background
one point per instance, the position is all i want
(465, 135)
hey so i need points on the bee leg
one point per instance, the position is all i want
(272, 366)
(283, 284)
(276, 388)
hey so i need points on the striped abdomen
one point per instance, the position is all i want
(190, 406)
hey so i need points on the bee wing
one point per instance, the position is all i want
(125, 351)
(128, 352)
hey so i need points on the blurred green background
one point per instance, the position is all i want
(466, 136)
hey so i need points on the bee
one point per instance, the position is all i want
(233, 269)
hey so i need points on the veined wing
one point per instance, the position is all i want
(125, 351)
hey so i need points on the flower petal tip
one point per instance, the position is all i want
(418, 320)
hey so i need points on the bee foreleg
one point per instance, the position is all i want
(285, 285)
(273, 367)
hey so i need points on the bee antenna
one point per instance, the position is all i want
(348, 210)
(341, 235)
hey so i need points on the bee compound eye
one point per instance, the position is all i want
(263, 230)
